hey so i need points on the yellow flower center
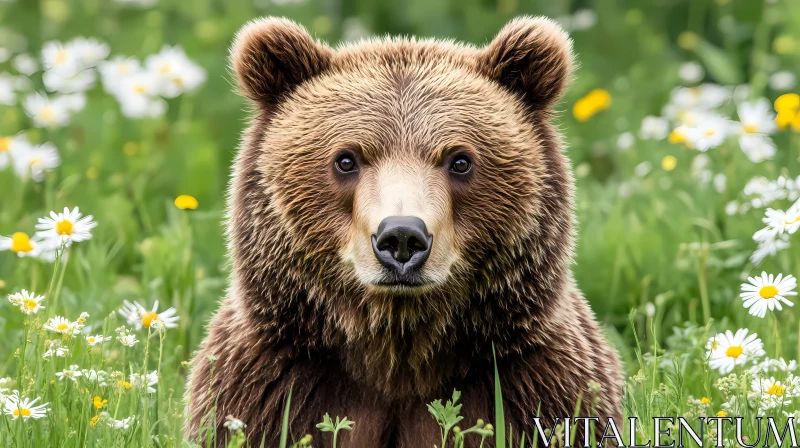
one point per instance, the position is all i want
(139, 89)
(5, 144)
(734, 351)
(165, 68)
(62, 327)
(768, 292)
(792, 221)
(677, 136)
(148, 318)
(29, 304)
(669, 163)
(776, 389)
(61, 57)
(714, 345)
(22, 412)
(21, 243)
(123, 69)
(710, 132)
(35, 161)
(750, 128)
(90, 339)
(178, 81)
(64, 227)
(47, 114)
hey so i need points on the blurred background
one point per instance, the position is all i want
(666, 221)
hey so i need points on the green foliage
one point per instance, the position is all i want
(328, 425)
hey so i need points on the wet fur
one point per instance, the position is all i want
(295, 314)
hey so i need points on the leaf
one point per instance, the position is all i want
(499, 413)
(285, 422)
(719, 64)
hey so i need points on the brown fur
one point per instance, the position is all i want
(299, 312)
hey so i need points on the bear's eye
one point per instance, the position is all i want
(346, 163)
(461, 165)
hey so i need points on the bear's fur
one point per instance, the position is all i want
(301, 311)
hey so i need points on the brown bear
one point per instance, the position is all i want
(397, 207)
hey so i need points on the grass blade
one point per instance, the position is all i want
(499, 414)
(285, 422)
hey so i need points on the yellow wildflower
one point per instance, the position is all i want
(94, 420)
(788, 108)
(595, 101)
(98, 402)
(185, 202)
(705, 400)
(669, 163)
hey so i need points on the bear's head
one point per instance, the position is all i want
(400, 178)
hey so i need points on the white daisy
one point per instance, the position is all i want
(17, 407)
(114, 71)
(654, 128)
(138, 96)
(709, 131)
(139, 317)
(66, 227)
(685, 101)
(125, 423)
(36, 161)
(97, 339)
(774, 365)
(756, 117)
(79, 82)
(727, 350)
(44, 112)
(61, 58)
(55, 348)
(8, 94)
(174, 71)
(95, 376)
(72, 373)
(757, 147)
(767, 293)
(25, 64)
(782, 80)
(691, 72)
(28, 302)
(12, 148)
(233, 424)
(60, 324)
(89, 51)
(774, 393)
(145, 382)
(125, 337)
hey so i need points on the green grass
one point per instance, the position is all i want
(658, 258)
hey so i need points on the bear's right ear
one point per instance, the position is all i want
(272, 56)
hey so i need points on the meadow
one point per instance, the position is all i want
(118, 125)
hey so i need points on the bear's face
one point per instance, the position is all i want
(405, 166)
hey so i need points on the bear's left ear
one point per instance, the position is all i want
(531, 56)
(272, 56)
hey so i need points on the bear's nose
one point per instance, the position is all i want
(402, 243)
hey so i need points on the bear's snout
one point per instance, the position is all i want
(402, 245)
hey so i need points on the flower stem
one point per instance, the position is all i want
(702, 278)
